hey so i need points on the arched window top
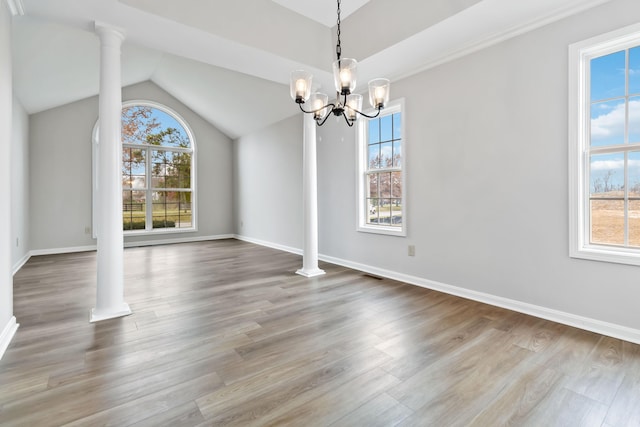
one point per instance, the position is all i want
(152, 124)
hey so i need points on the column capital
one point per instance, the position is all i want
(105, 31)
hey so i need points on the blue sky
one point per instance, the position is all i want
(608, 113)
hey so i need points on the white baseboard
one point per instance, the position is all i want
(68, 250)
(56, 251)
(20, 263)
(177, 240)
(593, 325)
(586, 323)
(269, 244)
(7, 335)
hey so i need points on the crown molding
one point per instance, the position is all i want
(16, 7)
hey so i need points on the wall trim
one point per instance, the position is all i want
(89, 248)
(21, 262)
(177, 240)
(56, 251)
(569, 319)
(586, 323)
(272, 245)
(7, 335)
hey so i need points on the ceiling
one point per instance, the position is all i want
(230, 61)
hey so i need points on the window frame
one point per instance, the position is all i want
(580, 55)
(393, 107)
(149, 230)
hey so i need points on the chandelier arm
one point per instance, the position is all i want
(367, 115)
(320, 123)
(315, 111)
(346, 119)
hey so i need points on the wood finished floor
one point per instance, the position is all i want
(224, 333)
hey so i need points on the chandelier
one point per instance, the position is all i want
(347, 104)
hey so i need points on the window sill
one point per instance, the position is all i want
(607, 254)
(380, 229)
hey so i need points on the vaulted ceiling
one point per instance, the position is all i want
(229, 61)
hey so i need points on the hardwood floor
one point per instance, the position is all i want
(224, 333)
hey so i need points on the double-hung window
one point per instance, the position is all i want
(158, 176)
(604, 147)
(381, 172)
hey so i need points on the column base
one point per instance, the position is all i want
(121, 311)
(310, 273)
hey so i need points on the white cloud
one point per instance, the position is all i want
(611, 124)
(613, 165)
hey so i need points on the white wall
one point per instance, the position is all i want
(7, 321)
(487, 182)
(19, 186)
(60, 180)
(268, 184)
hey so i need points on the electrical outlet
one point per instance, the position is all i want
(87, 230)
(412, 250)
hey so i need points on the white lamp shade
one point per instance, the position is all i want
(300, 86)
(379, 92)
(344, 75)
(317, 101)
(354, 103)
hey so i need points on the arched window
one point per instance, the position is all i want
(158, 175)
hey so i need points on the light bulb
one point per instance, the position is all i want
(345, 78)
(301, 87)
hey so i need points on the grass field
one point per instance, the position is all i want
(181, 218)
(607, 220)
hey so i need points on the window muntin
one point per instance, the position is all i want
(605, 147)
(157, 179)
(381, 202)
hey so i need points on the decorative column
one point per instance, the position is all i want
(310, 201)
(110, 284)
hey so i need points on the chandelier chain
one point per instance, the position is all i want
(338, 46)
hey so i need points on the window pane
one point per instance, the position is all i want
(133, 210)
(374, 156)
(372, 185)
(634, 120)
(397, 154)
(374, 131)
(172, 209)
(384, 212)
(396, 212)
(385, 185)
(147, 125)
(607, 175)
(607, 198)
(386, 126)
(158, 182)
(184, 180)
(634, 70)
(397, 126)
(396, 184)
(138, 181)
(633, 167)
(607, 123)
(386, 154)
(607, 221)
(372, 215)
(608, 76)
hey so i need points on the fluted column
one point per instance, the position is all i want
(110, 284)
(310, 200)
